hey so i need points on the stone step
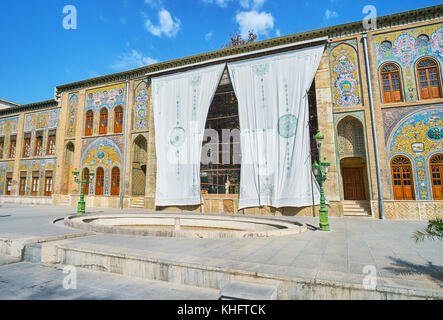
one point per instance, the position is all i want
(236, 290)
(356, 202)
(354, 209)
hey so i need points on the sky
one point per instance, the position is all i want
(47, 43)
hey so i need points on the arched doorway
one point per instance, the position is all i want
(351, 150)
(68, 168)
(353, 171)
(140, 153)
(115, 181)
(402, 179)
(99, 181)
(85, 176)
(436, 167)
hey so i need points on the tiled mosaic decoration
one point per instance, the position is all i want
(37, 165)
(407, 46)
(8, 127)
(417, 135)
(345, 74)
(106, 97)
(105, 153)
(142, 108)
(72, 115)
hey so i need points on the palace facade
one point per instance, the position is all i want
(377, 99)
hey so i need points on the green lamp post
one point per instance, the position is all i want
(320, 171)
(81, 204)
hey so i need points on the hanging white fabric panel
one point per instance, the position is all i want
(274, 124)
(181, 102)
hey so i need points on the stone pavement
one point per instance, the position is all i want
(29, 281)
(339, 256)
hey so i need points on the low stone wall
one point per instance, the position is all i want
(409, 210)
(212, 275)
(26, 200)
(230, 206)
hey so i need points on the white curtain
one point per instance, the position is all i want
(274, 115)
(181, 102)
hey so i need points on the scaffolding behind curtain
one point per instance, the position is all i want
(181, 102)
(274, 123)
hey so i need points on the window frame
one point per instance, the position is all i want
(99, 178)
(89, 123)
(115, 174)
(407, 163)
(391, 92)
(103, 128)
(420, 89)
(118, 119)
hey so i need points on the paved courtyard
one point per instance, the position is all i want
(30, 281)
(339, 255)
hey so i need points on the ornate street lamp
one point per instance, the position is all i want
(320, 171)
(81, 204)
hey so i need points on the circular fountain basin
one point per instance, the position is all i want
(185, 225)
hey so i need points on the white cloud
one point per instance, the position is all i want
(253, 4)
(131, 60)
(331, 14)
(277, 33)
(220, 3)
(154, 3)
(167, 25)
(259, 22)
(209, 35)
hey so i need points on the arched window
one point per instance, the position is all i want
(89, 122)
(391, 84)
(69, 157)
(402, 180)
(436, 165)
(139, 161)
(99, 181)
(103, 126)
(115, 181)
(428, 79)
(86, 177)
(118, 120)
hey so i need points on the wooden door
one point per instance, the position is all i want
(429, 79)
(89, 123)
(115, 181)
(34, 186)
(436, 165)
(118, 120)
(48, 186)
(22, 189)
(99, 182)
(402, 181)
(103, 125)
(353, 183)
(8, 186)
(86, 178)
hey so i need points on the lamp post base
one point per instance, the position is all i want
(81, 207)
(324, 223)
